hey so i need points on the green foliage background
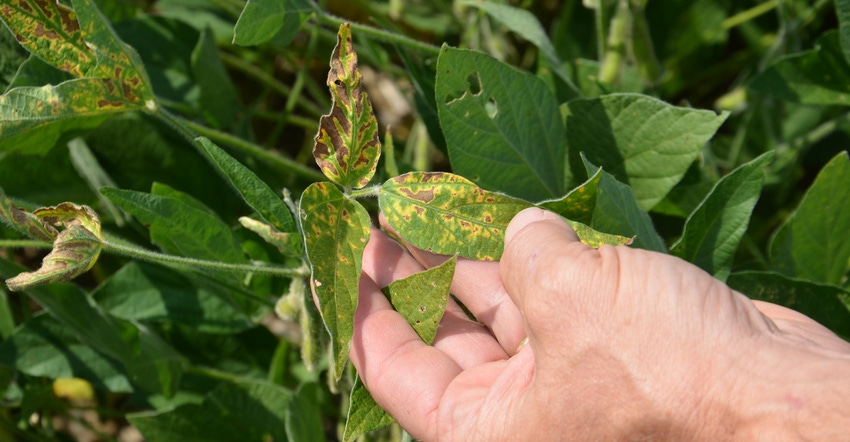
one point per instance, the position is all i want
(715, 130)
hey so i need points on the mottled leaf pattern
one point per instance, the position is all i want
(75, 249)
(577, 205)
(336, 230)
(25, 222)
(51, 32)
(448, 214)
(347, 146)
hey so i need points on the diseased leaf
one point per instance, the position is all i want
(818, 76)
(642, 141)
(579, 203)
(75, 249)
(347, 145)
(448, 214)
(714, 229)
(481, 102)
(336, 230)
(44, 347)
(25, 222)
(826, 304)
(264, 20)
(51, 32)
(245, 410)
(618, 212)
(35, 117)
(812, 244)
(253, 191)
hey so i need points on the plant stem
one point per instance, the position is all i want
(281, 162)
(366, 192)
(609, 71)
(600, 29)
(148, 255)
(378, 34)
(749, 14)
(19, 243)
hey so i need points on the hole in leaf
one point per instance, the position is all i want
(474, 83)
(491, 108)
(454, 96)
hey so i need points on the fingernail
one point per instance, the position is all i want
(526, 217)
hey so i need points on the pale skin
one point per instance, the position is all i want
(623, 344)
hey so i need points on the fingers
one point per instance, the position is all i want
(477, 285)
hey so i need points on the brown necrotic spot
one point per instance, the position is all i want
(426, 196)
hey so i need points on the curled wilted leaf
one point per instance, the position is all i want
(75, 249)
(347, 146)
(25, 222)
(288, 243)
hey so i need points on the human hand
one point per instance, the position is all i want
(622, 343)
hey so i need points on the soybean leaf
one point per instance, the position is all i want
(51, 32)
(37, 72)
(617, 212)
(25, 222)
(364, 414)
(303, 417)
(481, 102)
(642, 141)
(714, 229)
(44, 347)
(448, 214)
(264, 20)
(253, 191)
(812, 244)
(246, 410)
(288, 243)
(817, 76)
(219, 100)
(75, 249)
(826, 304)
(146, 292)
(347, 146)
(421, 299)
(579, 203)
(35, 117)
(181, 227)
(335, 230)
(526, 24)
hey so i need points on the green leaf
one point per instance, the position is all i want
(181, 227)
(288, 243)
(219, 100)
(75, 249)
(842, 8)
(336, 230)
(818, 76)
(812, 244)
(347, 145)
(364, 414)
(303, 417)
(617, 212)
(448, 214)
(480, 102)
(146, 292)
(579, 203)
(249, 410)
(35, 117)
(51, 32)
(826, 304)
(44, 347)
(253, 191)
(642, 141)
(526, 24)
(263, 20)
(714, 229)
(421, 298)
(25, 222)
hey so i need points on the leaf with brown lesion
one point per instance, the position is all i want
(347, 145)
